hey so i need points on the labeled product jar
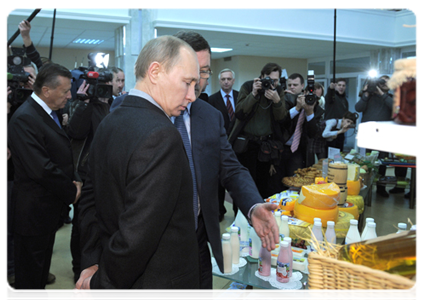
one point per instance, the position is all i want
(406, 85)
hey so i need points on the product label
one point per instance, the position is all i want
(251, 248)
(282, 270)
(260, 264)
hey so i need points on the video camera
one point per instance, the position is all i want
(372, 83)
(310, 97)
(16, 75)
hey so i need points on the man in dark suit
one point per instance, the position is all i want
(224, 100)
(216, 162)
(136, 209)
(45, 183)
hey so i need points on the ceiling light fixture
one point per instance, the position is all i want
(88, 41)
(220, 50)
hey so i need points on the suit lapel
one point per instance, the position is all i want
(47, 119)
(197, 138)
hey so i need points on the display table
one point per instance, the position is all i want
(247, 275)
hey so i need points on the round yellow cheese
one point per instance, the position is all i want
(308, 214)
(350, 208)
(321, 196)
(353, 187)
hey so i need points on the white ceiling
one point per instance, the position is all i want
(68, 28)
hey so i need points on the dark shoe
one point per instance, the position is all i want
(396, 190)
(10, 285)
(382, 192)
(51, 278)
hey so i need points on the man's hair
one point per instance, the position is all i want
(32, 65)
(295, 76)
(340, 79)
(164, 50)
(48, 75)
(194, 39)
(115, 70)
(351, 116)
(227, 70)
(271, 67)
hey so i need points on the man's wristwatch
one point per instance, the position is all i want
(250, 212)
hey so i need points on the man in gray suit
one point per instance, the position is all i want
(136, 211)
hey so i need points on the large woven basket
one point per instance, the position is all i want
(330, 273)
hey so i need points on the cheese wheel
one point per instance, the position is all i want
(353, 187)
(321, 196)
(287, 204)
(308, 214)
(350, 208)
(358, 201)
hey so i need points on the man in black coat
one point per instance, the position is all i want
(136, 209)
(225, 100)
(45, 183)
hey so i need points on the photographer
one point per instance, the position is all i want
(375, 104)
(85, 116)
(256, 136)
(300, 124)
(336, 127)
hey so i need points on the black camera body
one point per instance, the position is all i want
(372, 84)
(97, 81)
(17, 75)
(310, 97)
(266, 83)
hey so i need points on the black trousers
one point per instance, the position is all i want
(32, 260)
(206, 277)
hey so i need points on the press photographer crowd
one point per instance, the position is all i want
(147, 201)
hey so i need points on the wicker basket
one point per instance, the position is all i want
(332, 274)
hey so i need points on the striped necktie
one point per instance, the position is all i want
(298, 131)
(180, 125)
(229, 107)
(55, 118)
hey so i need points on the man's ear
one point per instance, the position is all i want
(154, 71)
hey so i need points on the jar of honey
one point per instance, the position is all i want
(403, 83)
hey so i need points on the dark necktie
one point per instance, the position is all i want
(55, 118)
(298, 131)
(229, 107)
(180, 125)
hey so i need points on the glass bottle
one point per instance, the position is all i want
(394, 253)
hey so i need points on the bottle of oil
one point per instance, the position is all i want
(394, 253)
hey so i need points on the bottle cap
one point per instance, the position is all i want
(372, 225)
(318, 223)
(330, 223)
(234, 229)
(284, 244)
(354, 222)
(402, 225)
(287, 239)
(317, 219)
(226, 236)
(278, 213)
(370, 220)
(285, 217)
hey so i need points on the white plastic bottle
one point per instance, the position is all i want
(264, 262)
(317, 231)
(284, 228)
(242, 223)
(413, 227)
(283, 264)
(235, 244)
(278, 219)
(402, 227)
(227, 253)
(255, 243)
(371, 232)
(353, 235)
(289, 241)
(365, 226)
(330, 232)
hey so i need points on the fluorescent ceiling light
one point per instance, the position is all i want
(220, 50)
(88, 41)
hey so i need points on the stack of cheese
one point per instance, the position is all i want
(354, 184)
(318, 201)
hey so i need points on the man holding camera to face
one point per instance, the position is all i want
(256, 136)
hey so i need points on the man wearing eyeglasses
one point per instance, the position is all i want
(259, 108)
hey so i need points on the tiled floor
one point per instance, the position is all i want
(387, 212)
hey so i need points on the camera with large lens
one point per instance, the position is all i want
(97, 81)
(372, 83)
(310, 97)
(266, 83)
(16, 76)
